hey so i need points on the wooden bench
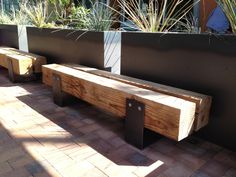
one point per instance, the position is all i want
(22, 66)
(171, 112)
(203, 102)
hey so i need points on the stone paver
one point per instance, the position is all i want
(40, 139)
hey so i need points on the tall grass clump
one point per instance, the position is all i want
(62, 10)
(38, 14)
(14, 17)
(79, 17)
(229, 8)
(158, 16)
(100, 17)
(5, 18)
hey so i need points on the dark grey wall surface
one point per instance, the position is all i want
(64, 46)
(201, 63)
(9, 36)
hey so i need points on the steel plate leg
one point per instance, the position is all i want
(11, 73)
(58, 94)
(134, 123)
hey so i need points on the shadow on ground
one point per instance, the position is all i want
(86, 125)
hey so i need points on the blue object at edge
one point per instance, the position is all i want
(218, 21)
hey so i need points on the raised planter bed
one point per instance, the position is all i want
(201, 63)
(67, 46)
(9, 36)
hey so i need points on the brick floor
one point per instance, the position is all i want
(40, 139)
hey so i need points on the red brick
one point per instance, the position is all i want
(20, 172)
(214, 168)
(226, 157)
(178, 170)
(20, 161)
(230, 173)
(89, 128)
(5, 167)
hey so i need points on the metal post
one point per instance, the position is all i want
(11, 73)
(134, 123)
(59, 96)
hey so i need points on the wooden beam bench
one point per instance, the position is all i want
(203, 102)
(22, 66)
(168, 115)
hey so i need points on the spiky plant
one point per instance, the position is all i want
(158, 16)
(79, 17)
(5, 18)
(19, 17)
(188, 24)
(100, 17)
(229, 8)
(38, 14)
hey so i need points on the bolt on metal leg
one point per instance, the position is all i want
(59, 96)
(134, 123)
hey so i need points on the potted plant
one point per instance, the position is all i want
(80, 38)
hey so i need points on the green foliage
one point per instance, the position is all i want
(79, 17)
(20, 17)
(101, 17)
(229, 7)
(38, 14)
(98, 18)
(16, 17)
(5, 18)
(46, 13)
(61, 8)
(157, 16)
(188, 24)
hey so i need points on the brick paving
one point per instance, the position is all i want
(40, 139)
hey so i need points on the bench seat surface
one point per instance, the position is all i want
(168, 115)
(203, 102)
(23, 63)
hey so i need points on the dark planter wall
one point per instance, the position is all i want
(61, 46)
(201, 63)
(9, 36)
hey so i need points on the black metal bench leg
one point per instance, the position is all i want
(135, 132)
(60, 97)
(11, 73)
(58, 94)
(107, 69)
(134, 123)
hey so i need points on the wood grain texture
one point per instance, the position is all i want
(23, 63)
(203, 102)
(170, 116)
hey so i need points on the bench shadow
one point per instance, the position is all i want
(87, 124)
(4, 79)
